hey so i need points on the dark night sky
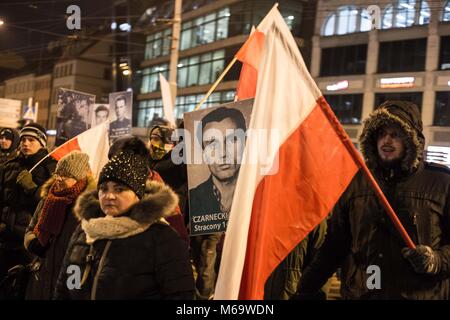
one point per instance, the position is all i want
(30, 25)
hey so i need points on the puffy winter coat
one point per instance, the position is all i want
(153, 264)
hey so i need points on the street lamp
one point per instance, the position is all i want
(2, 22)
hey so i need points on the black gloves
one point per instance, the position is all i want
(25, 180)
(36, 248)
(423, 259)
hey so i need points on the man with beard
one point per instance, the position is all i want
(361, 235)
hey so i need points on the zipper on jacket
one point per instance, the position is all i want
(99, 269)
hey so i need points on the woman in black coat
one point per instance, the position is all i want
(124, 248)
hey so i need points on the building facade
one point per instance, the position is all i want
(211, 34)
(406, 56)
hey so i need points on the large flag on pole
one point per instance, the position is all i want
(272, 213)
(94, 142)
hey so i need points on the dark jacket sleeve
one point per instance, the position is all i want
(332, 253)
(29, 234)
(173, 269)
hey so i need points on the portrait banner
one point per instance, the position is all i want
(215, 139)
(73, 114)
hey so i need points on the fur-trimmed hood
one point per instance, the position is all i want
(159, 201)
(407, 116)
(91, 185)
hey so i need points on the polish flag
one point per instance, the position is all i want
(312, 161)
(250, 56)
(94, 142)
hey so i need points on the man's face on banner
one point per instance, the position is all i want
(101, 116)
(225, 150)
(120, 108)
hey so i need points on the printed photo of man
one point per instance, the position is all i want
(221, 134)
(120, 125)
(101, 114)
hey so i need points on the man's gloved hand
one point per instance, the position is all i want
(25, 180)
(423, 259)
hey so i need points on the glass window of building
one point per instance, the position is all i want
(343, 60)
(402, 56)
(405, 13)
(158, 44)
(415, 97)
(205, 29)
(347, 19)
(442, 109)
(198, 70)
(188, 103)
(446, 11)
(347, 107)
(152, 109)
(149, 110)
(150, 77)
(444, 55)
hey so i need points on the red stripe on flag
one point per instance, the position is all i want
(64, 149)
(250, 55)
(315, 168)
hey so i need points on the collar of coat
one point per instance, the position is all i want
(159, 201)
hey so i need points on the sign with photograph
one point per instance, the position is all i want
(215, 145)
(121, 105)
(72, 114)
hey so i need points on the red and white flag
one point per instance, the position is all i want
(271, 214)
(250, 56)
(94, 142)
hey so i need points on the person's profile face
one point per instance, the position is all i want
(101, 116)
(223, 148)
(120, 108)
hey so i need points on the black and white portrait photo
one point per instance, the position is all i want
(219, 134)
(72, 114)
(120, 104)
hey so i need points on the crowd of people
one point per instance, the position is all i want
(126, 234)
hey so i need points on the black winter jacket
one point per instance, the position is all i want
(360, 234)
(153, 264)
(18, 206)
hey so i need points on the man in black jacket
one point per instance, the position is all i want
(19, 194)
(361, 238)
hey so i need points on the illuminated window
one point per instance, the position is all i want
(406, 13)
(446, 12)
(347, 19)
(150, 77)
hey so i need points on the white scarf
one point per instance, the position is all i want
(109, 227)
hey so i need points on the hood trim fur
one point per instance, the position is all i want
(414, 146)
(159, 201)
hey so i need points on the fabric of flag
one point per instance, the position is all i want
(250, 56)
(94, 142)
(311, 163)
